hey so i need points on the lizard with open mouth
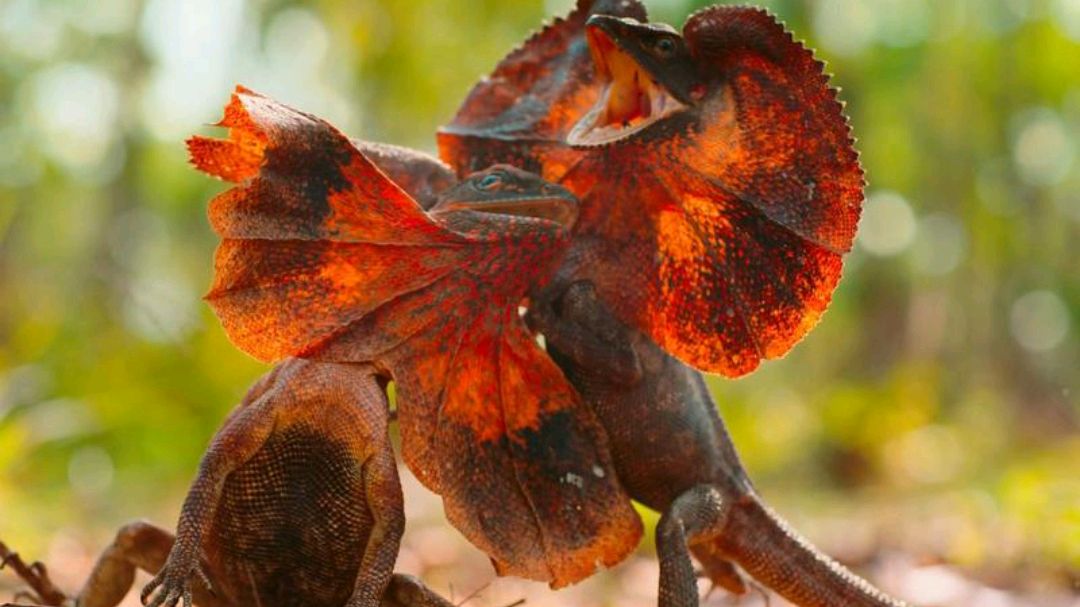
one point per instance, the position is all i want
(719, 190)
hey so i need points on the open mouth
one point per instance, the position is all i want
(550, 208)
(631, 101)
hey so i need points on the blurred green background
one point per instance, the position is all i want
(933, 413)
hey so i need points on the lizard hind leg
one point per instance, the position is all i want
(408, 591)
(138, 545)
(721, 572)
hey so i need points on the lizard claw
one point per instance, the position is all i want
(172, 585)
(762, 591)
(722, 574)
(701, 573)
(737, 599)
(205, 579)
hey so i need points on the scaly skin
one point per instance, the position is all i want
(319, 430)
(297, 499)
(422, 176)
(297, 502)
(674, 455)
(715, 209)
(324, 257)
(714, 229)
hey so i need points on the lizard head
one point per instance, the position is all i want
(649, 73)
(506, 190)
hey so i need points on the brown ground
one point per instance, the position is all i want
(437, 553)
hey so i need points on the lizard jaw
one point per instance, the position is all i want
(557, 209)
(632, 100)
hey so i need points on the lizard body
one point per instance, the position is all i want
(297, 499)
(297, 502)
(719, 187)
(673, 454)
(324, 257)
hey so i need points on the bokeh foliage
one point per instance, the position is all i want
(937, 402)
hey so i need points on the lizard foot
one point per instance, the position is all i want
(173, 584)
(732, 598)
(722, 573)
(42, 590)
(408, 591)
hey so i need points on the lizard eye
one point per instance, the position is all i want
(489, 181)
(664, 47)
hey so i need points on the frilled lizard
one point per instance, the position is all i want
(719, 189)
(297, 502)
(324, 256)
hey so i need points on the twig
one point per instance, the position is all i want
(33, 574)
(475, 593)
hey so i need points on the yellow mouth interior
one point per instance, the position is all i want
(631, 101)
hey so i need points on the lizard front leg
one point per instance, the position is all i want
(242, 435)
(691, 516)
(601, 358)
(383, 496)
(576, 326)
